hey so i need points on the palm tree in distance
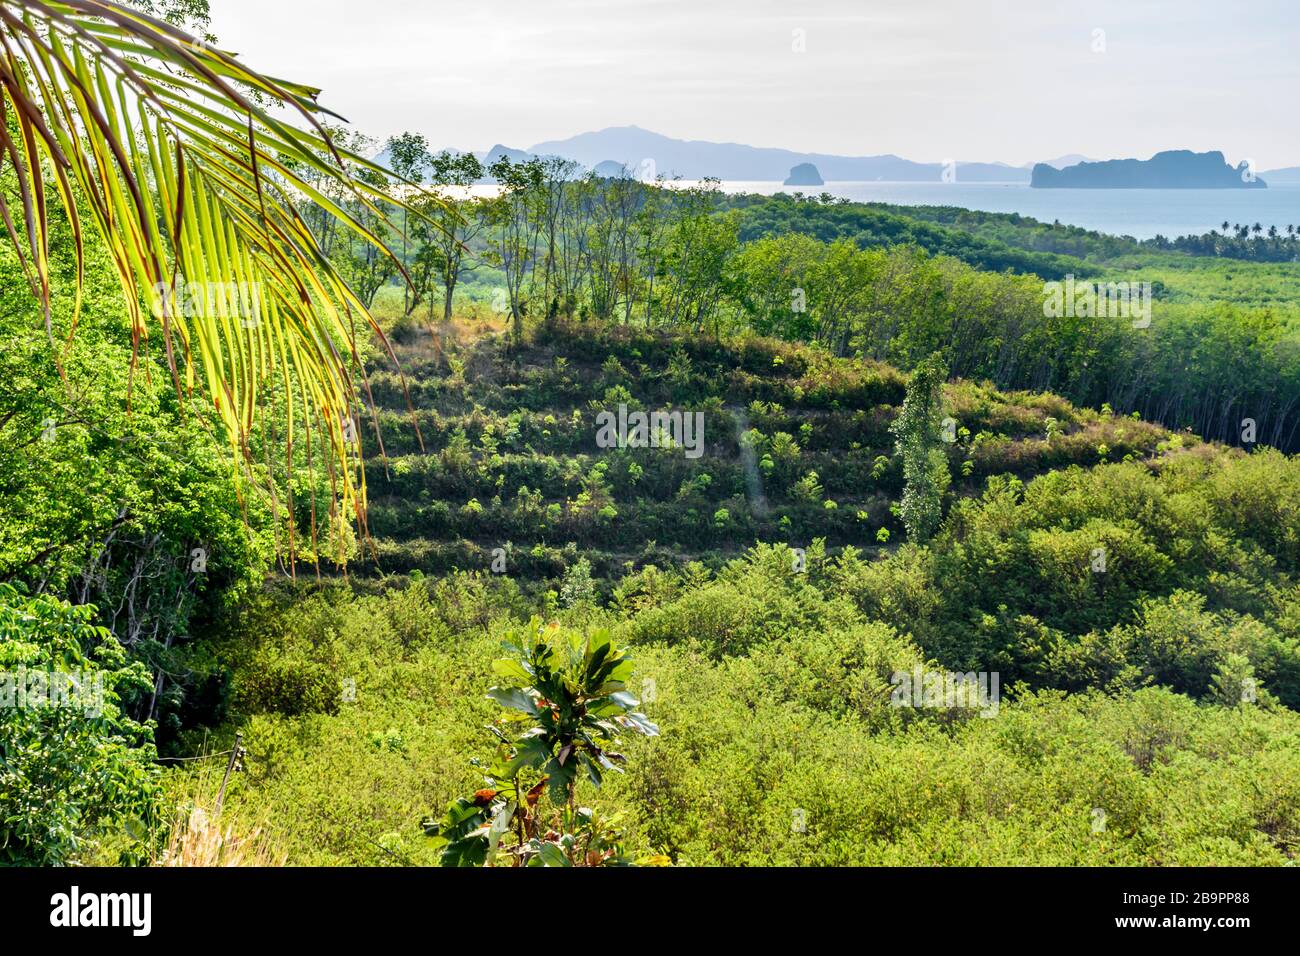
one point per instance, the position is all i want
(181, 159)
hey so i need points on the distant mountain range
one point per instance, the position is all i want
(695, 159)
(1172, 169)
(644, 151)
(1288, 175)
(1069, 159)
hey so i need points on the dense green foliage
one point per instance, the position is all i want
(75, 770)
(117, 494)
(772, 693)
(1198, 564)
(1158, 687)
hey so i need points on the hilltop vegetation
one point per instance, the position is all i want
(1218, 346)
(798, 446)
(768, 671)
(878, 224)
(1231, 240)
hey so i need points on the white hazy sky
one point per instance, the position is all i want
(1010, 80)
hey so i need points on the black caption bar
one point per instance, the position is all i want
(146, 906)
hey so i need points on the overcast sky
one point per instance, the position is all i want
(1009, 80)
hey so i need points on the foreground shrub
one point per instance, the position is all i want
(567, 707)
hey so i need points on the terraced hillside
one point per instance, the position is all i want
(1160, 687)
(797, 446)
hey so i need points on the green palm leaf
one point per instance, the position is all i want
(181, 158)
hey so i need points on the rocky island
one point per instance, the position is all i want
(804, 174)
(1172, 169)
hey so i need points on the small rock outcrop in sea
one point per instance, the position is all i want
(805, 174)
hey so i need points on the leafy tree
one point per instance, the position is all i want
(611, 243)
(513, 246)
(408, 154)
(697, 250)
(551, 211)
(456, 222)
(578, 589)
(73, 766)
(919, 444)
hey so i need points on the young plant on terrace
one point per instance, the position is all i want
(566, 709)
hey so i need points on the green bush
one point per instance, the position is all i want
(74, 769)
(288, 685)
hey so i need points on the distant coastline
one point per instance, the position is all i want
(1139, 213)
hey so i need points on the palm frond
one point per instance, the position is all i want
(182, 159)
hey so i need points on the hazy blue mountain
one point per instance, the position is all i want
(1004, 172)
(1288, 174)
(695, 159)
(608, 150)
(497, 151)
(1060, 162)
(1172, 169)
(805, 174)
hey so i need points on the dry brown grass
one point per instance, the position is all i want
(200, 839)
(201, 836)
